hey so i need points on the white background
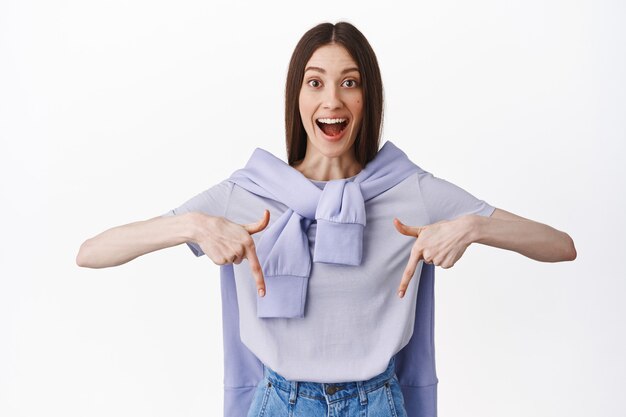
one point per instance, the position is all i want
(113, 112)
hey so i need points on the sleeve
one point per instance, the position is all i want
(446, 201)
(212, 201)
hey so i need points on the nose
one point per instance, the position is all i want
(332, 99)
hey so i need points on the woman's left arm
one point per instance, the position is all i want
(530, 238)
(444, 242)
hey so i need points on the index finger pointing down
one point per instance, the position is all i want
(257, 270)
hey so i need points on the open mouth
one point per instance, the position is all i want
(332, 127)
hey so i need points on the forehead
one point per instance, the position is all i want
(331, 57)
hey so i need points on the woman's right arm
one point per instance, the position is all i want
(220, 239)
(121, 244)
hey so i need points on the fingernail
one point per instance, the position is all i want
(400, 293)
(261, 292)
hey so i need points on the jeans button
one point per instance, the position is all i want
(331, 389)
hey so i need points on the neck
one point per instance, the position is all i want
(320, 167)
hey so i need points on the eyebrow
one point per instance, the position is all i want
(323, 71)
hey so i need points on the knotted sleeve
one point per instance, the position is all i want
(340, 219)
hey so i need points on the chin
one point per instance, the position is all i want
(332, 149)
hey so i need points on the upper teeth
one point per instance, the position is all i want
(330, 121)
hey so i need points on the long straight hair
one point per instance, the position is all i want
(345, 34)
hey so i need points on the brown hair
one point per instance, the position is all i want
(368, 138)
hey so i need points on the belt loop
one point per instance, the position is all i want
(362, 394)
(293, 392)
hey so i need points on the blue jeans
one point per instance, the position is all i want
(379, 396)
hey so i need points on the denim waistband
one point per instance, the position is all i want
(330, 391)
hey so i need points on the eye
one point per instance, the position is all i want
(314, 83)
(350, 83)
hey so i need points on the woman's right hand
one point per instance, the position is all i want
(227, 242)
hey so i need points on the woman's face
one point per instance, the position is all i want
(331, 100)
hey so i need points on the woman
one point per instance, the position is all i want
(312, 322)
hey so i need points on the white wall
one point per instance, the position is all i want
(117, 111)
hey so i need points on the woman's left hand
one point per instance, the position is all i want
(442, 244)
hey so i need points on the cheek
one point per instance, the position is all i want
(305, 118)
(305, 110)
(358, 106)
(357, 102)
